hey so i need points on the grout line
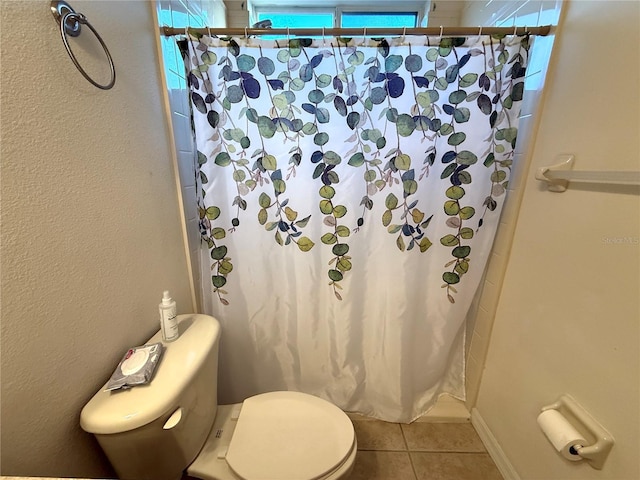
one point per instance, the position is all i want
(381, 450)
(420, 451)
(404, 438)
(449, 451)
(406, 444)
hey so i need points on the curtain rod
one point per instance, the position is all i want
(369, 32)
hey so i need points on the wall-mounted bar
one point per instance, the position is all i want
(370, 32)
(559, 175)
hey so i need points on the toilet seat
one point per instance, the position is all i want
(289, 436)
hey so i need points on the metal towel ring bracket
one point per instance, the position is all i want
(70, 24)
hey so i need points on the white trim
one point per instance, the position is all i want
(493, 447)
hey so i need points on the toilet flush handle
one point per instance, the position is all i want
(174, 419)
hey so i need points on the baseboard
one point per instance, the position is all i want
(493, 447)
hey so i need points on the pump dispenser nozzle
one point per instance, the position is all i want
(166, 299)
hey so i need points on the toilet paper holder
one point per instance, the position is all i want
(597, 453)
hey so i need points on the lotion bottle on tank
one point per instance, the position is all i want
(168, 320)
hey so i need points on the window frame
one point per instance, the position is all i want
(257, 10)
(417, 8)
(341, 10)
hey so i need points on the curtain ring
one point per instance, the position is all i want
(246, 37)
(209, 31)
(515, 30)
(364, 36)
(404, 34)
(288, 37)
(441, 32)
(324, 40)
(480, 31)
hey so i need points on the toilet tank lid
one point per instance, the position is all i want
(124, 410)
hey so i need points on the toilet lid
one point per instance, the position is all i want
(289, 436)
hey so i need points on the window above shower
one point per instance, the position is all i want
(355, 14)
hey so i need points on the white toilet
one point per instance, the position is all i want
(174, 424)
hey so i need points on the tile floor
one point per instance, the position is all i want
(420, 451)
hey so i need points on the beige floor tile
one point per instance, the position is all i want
(378, 435)
(454, 466)
(382, 466)
(442, 437)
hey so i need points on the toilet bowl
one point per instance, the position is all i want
(288, 442)
(174, 424)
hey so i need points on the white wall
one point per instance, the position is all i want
(568, 319)
(91, 232)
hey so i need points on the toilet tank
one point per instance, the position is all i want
(154, 431)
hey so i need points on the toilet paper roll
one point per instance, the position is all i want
(562, 435)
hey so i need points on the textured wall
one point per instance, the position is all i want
(567, 320)
(91, 232)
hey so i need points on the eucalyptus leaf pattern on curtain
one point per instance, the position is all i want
(380, 161)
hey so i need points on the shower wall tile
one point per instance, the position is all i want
(190, 206)
(472, 313)
(503, 240)
(194, 240)
(169, 54)
(180, 14)
(509, 212)
(549, 12)
(529, 103)
(508, 13)
(516, 181)
(525, 125)
(479, 345)
(473, 377)
(179, 101)
(484, 322)
(534, 82)
(446, 14)
(184, 142)
(528, 14)
(490, 295)
(186, 166)
(495, 268)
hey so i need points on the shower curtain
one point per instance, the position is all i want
(349, 190)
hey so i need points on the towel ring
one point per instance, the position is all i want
(70, 24)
